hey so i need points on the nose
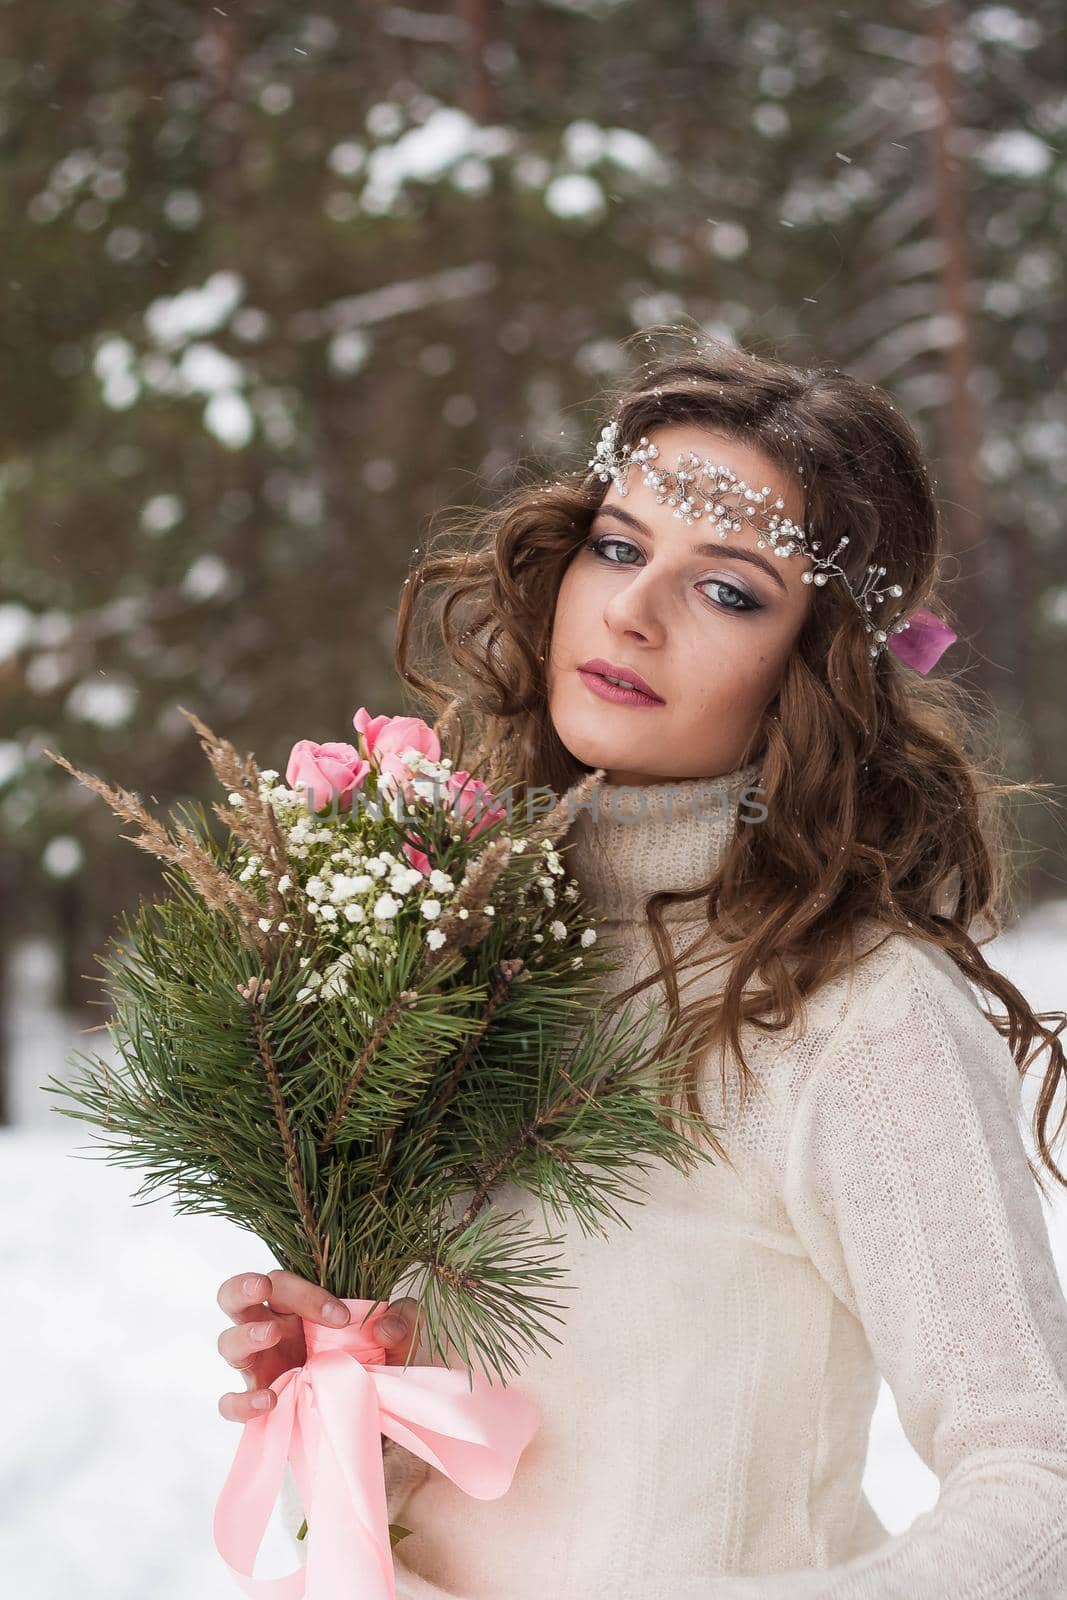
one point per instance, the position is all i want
(633, 610)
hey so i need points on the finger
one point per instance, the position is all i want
(289, 1292)
(398, 1328)
(254, 1402)
(243, 1290)
(241, 1345)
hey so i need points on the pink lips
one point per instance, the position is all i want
(598, 665)
(636, 693)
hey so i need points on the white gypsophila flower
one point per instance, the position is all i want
(571, 892)
(463, 913)
(385, 906)
(283, 882)
(268, 774)
(354, 912)
(265, 924)
(303, 962)
(283, 927)
(343, 887)
(588, 938)
(315, 888)
(376, 868)
(305, 995)
(538, 938)
(431, 909)
(490, 911)
(518, 846)
(328, 913)
(558, 929)
(549, 896)
(440, 881)
(435, 938)
(235, 799)
(264, 872)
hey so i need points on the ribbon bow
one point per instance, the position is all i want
(328, 1421)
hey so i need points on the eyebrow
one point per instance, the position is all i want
(716, 549)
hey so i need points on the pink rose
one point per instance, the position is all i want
(417, 859)
(465, 798)
(368, 729)
(324, 768)
(393, 774)
(469, 797)
(393, 735)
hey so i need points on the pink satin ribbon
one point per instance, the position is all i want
(328, 1421)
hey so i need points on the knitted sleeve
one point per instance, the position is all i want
(907, 1182)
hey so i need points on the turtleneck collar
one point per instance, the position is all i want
(642, 838)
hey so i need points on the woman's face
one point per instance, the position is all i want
(709, 630)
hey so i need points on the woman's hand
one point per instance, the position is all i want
(269, 1339)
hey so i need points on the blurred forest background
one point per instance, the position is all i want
(280, 282)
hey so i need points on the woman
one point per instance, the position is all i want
(799, 856)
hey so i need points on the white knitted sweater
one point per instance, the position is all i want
(705, 1417)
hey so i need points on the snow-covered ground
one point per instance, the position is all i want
(112, 1451)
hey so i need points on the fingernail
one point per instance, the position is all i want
(390, 1329)
(260, 1402)
(252, 1285)
(262, 1331)
(335, 1312)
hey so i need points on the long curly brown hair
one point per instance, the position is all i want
(883, 790)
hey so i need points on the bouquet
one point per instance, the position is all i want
(376, 995)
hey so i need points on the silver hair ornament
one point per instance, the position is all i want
(703, 488)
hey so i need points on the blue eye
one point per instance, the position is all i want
(748, 604)
(597, 546)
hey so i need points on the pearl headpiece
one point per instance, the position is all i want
(703, 488)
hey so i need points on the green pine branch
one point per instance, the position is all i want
(364, 1137)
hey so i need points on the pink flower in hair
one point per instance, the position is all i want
(923, 642)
